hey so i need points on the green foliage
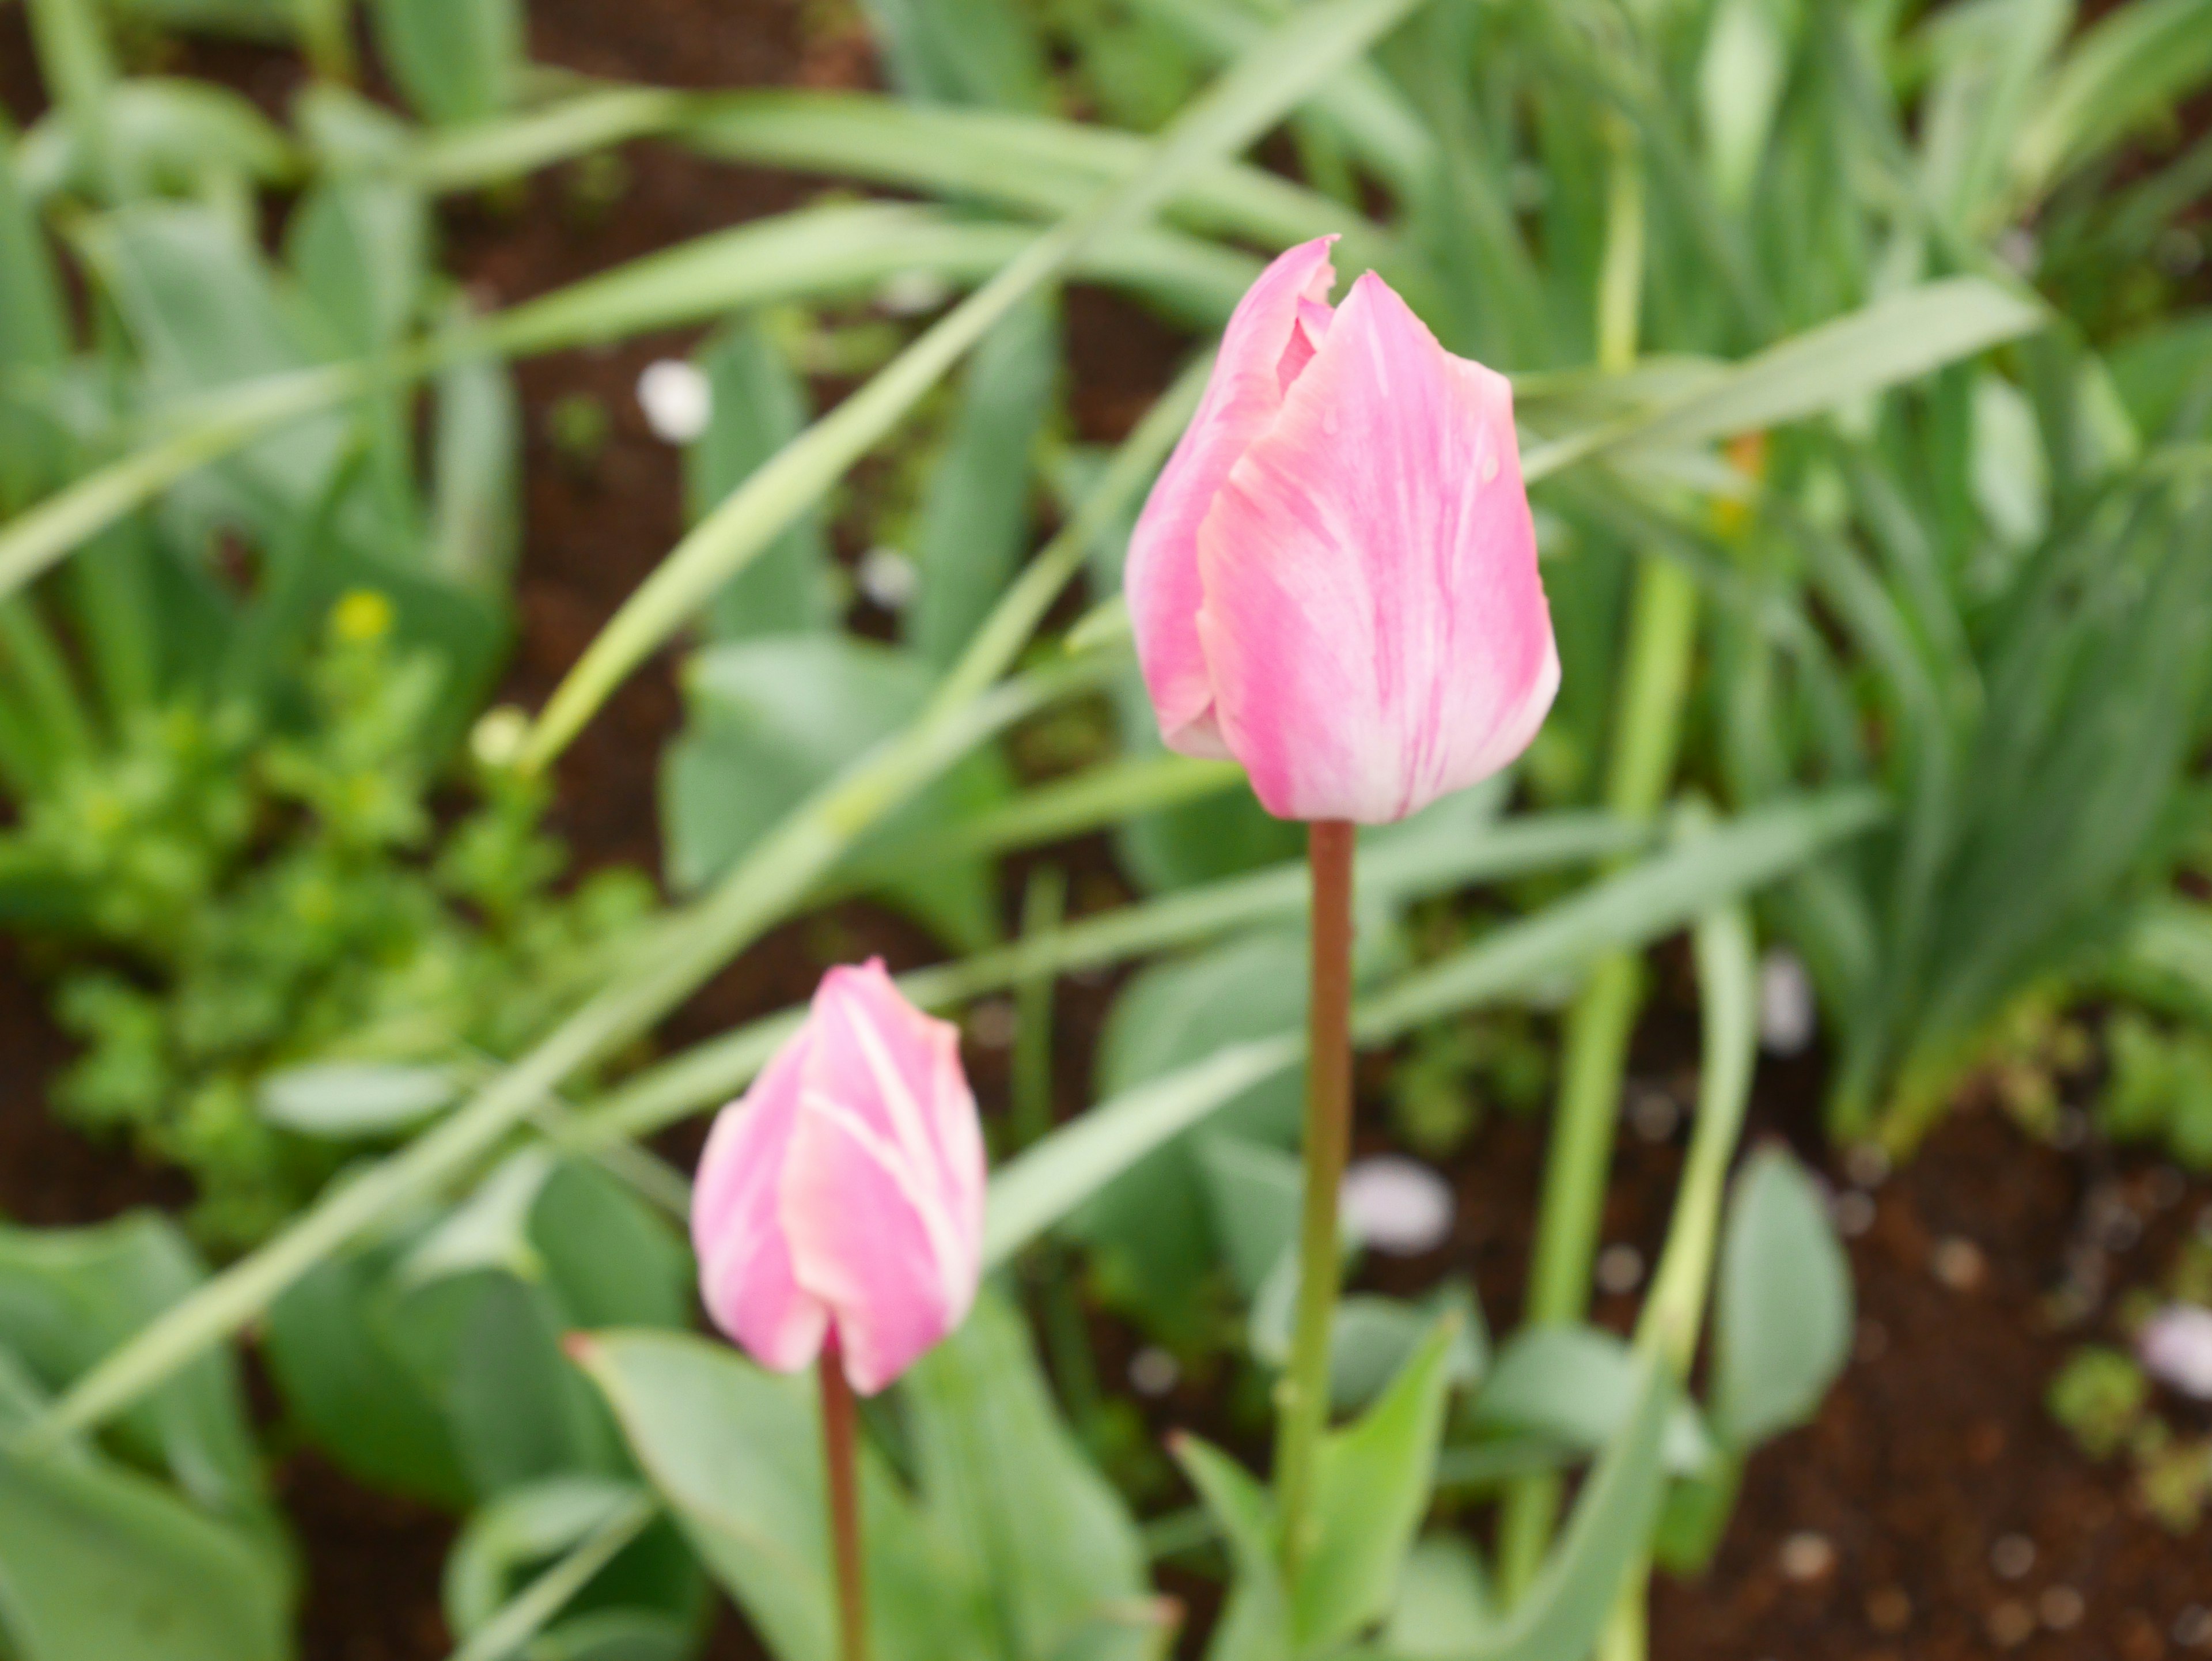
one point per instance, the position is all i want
(268, 895)
(2158, 1088)
(2100, 1396)
(1009, 1546)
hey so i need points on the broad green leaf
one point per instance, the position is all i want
(1056, 1554)
(1560, 1615)
(1576, 1385)
(160, 136)
(1782, 1315)
(1371, 1481)
(359, 246)
(975, 511)
(610, 1259)
(67, 1296)
(759, 405)
(1255, 1624)
(1154, 1248)
(98, 1561)
(356, 1098)
(615, 1584)
(772, 719)
(1252, 1192)
(456, 60)
(962, 52)
(1444, 1599)
(347, 1381)
(205, 313)
(485, 1346)
(736, 1454)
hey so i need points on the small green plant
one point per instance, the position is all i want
(2160, 1087)
(261, 893)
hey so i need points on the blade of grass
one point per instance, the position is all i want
(946, 149)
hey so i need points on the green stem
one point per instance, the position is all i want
(1302, 1395)
(1647, 724)
(838, 1422)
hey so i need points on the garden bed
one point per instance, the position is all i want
(1888, 1529)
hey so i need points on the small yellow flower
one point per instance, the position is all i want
(363, 615)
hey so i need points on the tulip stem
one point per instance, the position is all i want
(839, 1420)
(1302, 1395)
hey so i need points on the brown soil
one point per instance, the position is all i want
(1934, 1446)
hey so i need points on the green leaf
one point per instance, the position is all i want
(611, 1259)
(1252, 1192)
(348, 1381)
(758, 406)
(974, 517)
(771, 721)
(359, 245)
(1893, 340)
(1149, 1228)
(67, 1296)
(1576, 1385)
(1782, 1318)
(1255, 1624)
(1444, 1598)
(963, 51)
(456, 60)
(96, 1562)
(1055, 1550)
(622, 1585)
(160, 136)
(1560, 1615)
(485, 1346)
(2127, 68)
(736, 1454)
(1371, 1482)
(356, 1098)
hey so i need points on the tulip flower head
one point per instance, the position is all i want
(840, 1200)
(1335, 580)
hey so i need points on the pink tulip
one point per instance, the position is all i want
(840, 1200)
(1334, 583)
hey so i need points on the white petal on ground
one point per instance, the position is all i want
(888, 578)
(2175, 1347)
(1396, 1205)
(1787, 1013)
(677, 399)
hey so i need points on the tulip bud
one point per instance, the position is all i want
(840, 1200)
(1335, 582)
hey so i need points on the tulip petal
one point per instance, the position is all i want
(1374, 626)
(1262, 350)
(746, 1271)
(882, 1190)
